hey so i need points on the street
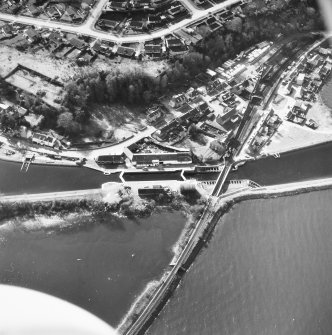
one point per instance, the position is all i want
(88, 27)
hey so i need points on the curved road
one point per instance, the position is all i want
(87, 28)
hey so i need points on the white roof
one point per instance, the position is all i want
(3, 106)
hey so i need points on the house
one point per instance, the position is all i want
(126, 52)
(229, 114)
(33, 10)
(177, 100)
(193, 115)
(177, 50)
(153, 50)
(7, 30)
(53, 12)
(55, 37)
(153, 114)
(218, 147)
(214, 127)
(43, 139)
(168, 128)
(4, 107)
(191, 93)
(108, 24)
(118, 5)
(137, 25)
(102, 48)
(185, 108)
(32, 35)
(77, 43)
(153, 191)
(85, 58)
(325, 71)
(87, 3)
(172, 42)
(110, 160)
(155, 159)
(300, 79)
(21, 110)
(204, 108)
(73, 14)
(325, 51)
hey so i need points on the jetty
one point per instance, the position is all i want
(26, 162)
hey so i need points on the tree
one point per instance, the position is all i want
(235, 25)
(195, 62)
(65, 121)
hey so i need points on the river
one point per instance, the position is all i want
(100, 265)
(267, 270)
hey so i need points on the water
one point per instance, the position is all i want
(267, 270)
(40, 178)
(100, 266)
(326, 93)
(305, 164)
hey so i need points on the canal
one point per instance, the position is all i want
(40, 178)
(143, 176)
(43, 178)
(304, 164)
(310, 163)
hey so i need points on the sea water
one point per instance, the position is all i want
(266, 270)
(99, 264)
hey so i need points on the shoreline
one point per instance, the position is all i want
(290, 150)
(223, 205)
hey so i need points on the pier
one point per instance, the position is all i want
(26, 162)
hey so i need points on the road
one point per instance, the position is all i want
(221, 179)
(88, 29)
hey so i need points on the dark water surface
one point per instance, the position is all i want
(267, 270)
(41, 178)
(101, 267)
(304, 164)
(326, 93)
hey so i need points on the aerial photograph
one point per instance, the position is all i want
(165, 167)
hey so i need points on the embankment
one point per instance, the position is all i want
(94, 194)
(200, 236)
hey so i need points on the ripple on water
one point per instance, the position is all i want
(267, 270)
(101, 265)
